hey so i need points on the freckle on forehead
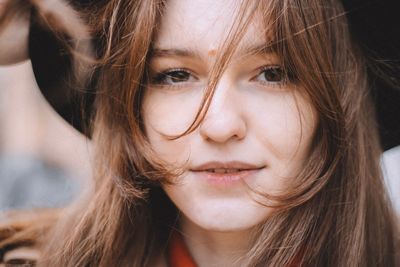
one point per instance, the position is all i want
(212, 52)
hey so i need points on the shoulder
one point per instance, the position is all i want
(22, 234)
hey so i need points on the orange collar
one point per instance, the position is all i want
(178, 253)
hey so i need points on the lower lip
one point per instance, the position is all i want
(226, 178)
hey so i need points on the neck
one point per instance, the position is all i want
(215, 248)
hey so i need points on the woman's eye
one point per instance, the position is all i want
(271, 74)
(172, 77)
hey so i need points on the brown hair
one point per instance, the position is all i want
(336, 213)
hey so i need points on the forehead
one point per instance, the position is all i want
(203, 25)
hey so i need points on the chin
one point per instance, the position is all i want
(225, 226)
(227, 218)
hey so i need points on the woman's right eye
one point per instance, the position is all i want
(172, 77)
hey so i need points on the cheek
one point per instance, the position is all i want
(285, 129)
(170, 112)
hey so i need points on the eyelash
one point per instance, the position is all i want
(273, 70)
(161, 77)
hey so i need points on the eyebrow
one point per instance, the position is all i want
(261, 49)
(174, 52)
(265, 48)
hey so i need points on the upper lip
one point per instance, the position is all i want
(237, 165)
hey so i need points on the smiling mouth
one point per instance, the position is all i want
(223, 170)
(225, 167)
(226, 177)
(229, 173)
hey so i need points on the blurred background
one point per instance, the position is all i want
(44, 162)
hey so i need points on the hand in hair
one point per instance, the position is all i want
(14, 30)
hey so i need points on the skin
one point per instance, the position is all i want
(251, 119)
(14, 38)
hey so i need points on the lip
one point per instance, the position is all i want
(244, 171)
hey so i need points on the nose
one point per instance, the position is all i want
(225, 119)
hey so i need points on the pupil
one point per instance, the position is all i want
(178, 76)
(273, 75)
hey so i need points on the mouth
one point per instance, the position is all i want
(228, 166)
(225, 170)
(226, 173)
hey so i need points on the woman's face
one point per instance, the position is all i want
(256, 133)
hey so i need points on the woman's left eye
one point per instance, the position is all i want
(271, 75)
(173, 77)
